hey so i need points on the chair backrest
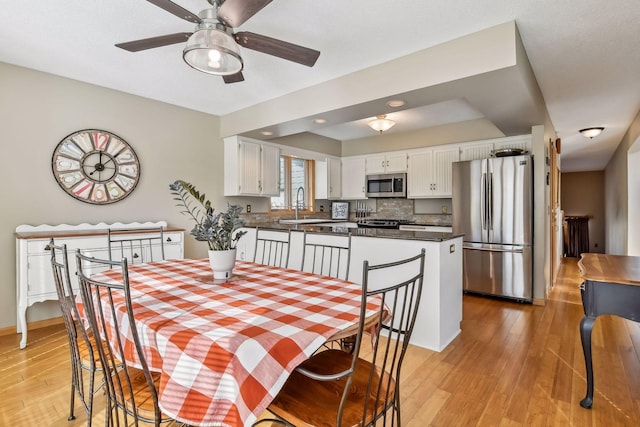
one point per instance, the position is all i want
(136, 245)
(272, 247)
(108, 308)
(399, 285)
(69, 309)
(325, 254)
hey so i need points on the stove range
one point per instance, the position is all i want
(381, 223)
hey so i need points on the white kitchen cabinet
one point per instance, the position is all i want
(522, 142)
(430, 172)
(483, 149)
(387, 163)
(354, 178)
(475, 151)
(251, 168)
(34, 278)
(328, 178)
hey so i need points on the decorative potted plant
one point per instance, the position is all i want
(219, 230)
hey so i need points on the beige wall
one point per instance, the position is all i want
(40, 109)
(617, 193)
(582, 195)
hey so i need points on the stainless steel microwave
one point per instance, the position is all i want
(387, 185)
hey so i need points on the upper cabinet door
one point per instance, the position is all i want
(387, 163)
(442, 171)
(334, 178)
(353, 178)
(249, 165)
(419, 177)
(475, 151)
(376, 164)
(396, 162)
(270, 171)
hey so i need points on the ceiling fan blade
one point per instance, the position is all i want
(281, 49)
(179, 11)
(234, 78)
(150, 43)
(236, 12)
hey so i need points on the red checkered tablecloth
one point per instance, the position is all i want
(224, 350)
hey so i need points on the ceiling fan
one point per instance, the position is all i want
(213, 46)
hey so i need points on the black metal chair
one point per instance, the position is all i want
(272, 247)
(131, 393)
(335, 388)
(84, 357)
(136, 245)
(325, 254)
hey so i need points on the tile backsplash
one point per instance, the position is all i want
(422, 211)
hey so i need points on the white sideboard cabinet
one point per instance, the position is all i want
(34, 277)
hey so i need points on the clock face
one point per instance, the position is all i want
(95, 166)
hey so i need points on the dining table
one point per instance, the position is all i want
(224, 348)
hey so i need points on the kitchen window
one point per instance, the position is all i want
(295, 173)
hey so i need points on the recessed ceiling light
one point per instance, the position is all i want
(266, 133)
(319, 121)
(395, 103)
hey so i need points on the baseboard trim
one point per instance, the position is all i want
(10, 330)
(540, 302)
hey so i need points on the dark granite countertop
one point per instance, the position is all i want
(429, 236)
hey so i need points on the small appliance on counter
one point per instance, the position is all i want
(340, 210)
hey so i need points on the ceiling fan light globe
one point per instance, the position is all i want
(214, 52)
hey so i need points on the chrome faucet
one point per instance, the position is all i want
(298, 199)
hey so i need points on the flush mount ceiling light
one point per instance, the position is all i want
(319, 121)
(591, 132)
(381, 123)
(211, 48)
(266, 133)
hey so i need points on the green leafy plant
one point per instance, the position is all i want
(218, 230)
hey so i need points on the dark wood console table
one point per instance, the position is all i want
(611, 286)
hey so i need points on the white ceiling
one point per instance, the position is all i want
(584, 54)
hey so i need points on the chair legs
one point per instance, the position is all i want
(72, 400)
(85, 396)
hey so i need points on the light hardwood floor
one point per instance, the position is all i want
(512, 365)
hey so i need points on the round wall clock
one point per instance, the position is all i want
(95, 166)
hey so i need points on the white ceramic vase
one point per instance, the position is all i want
(222, 263)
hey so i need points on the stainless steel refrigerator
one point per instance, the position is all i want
(493, 207)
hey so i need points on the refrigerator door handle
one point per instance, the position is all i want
(490, 202)
(516, 251)
(483, 201)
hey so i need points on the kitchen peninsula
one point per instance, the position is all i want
(440, 311)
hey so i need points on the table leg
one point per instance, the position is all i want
(22, 321)
(586, 325)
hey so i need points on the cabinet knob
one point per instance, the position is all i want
(169, 239)
(136, 256)
(47, 248)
